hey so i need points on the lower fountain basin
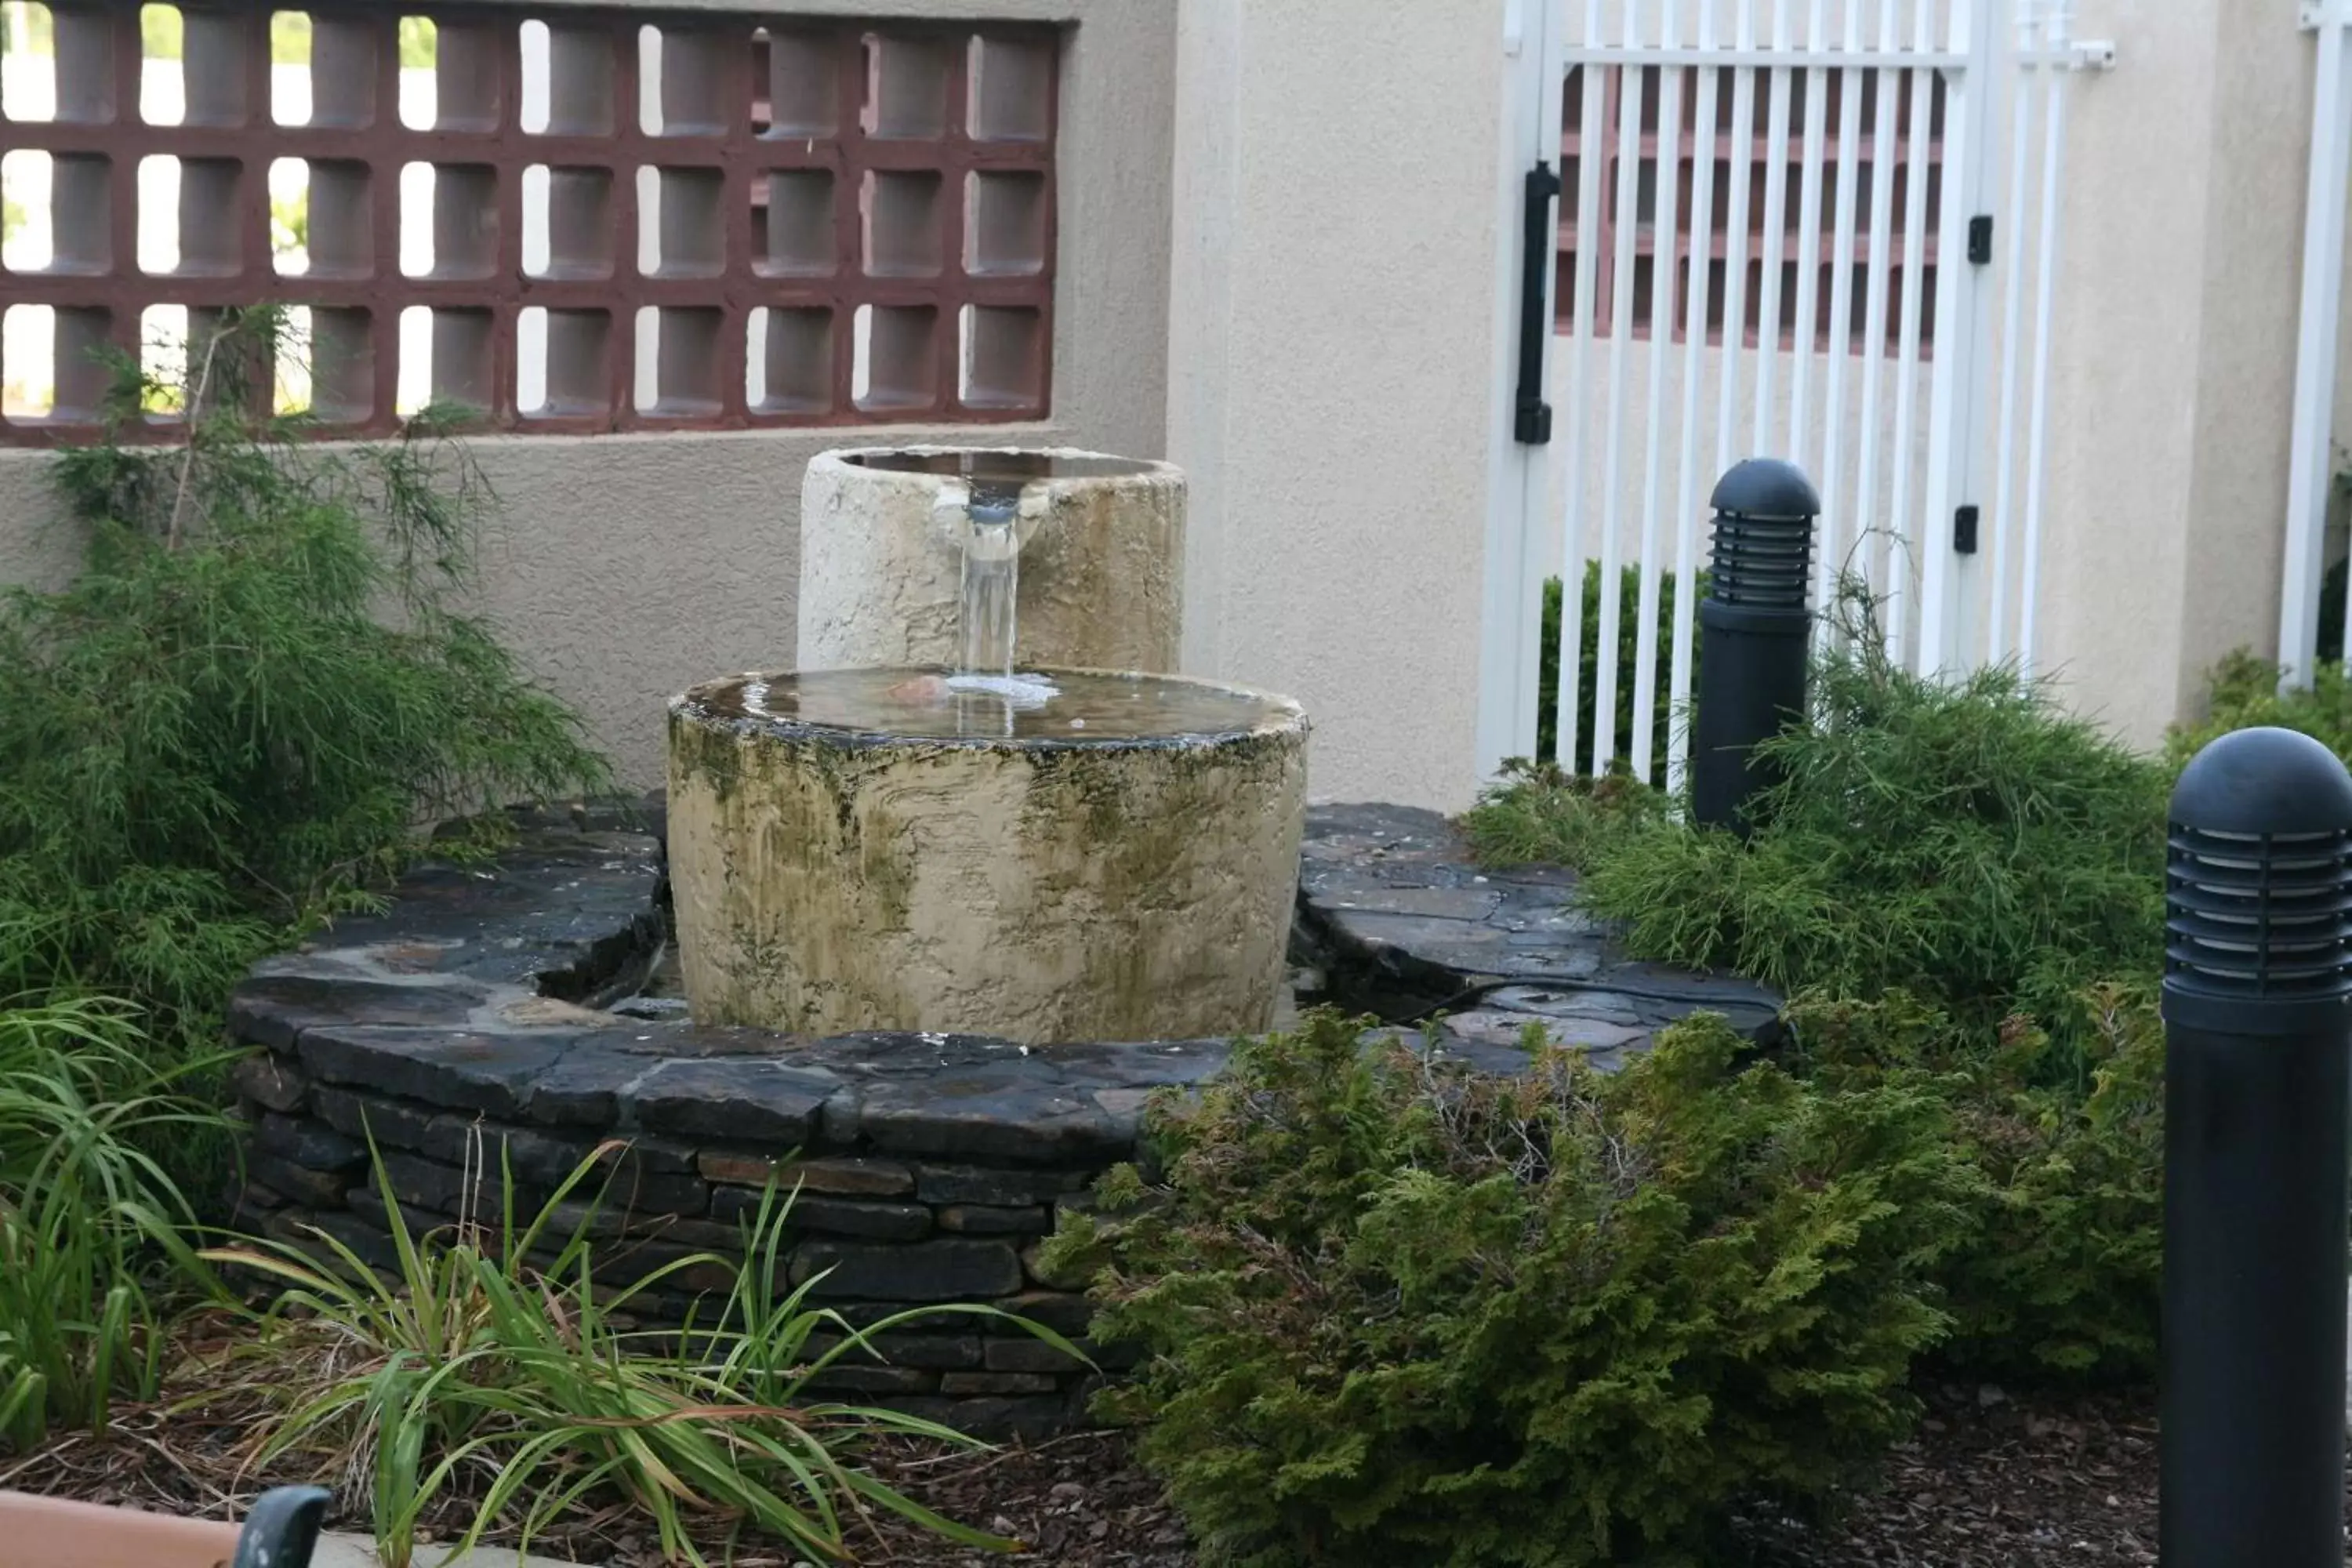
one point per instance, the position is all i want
(1103, 856)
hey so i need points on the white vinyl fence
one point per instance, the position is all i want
(1822, 230)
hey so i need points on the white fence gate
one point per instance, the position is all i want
(1824, 230)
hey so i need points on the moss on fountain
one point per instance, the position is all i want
(1118, 866)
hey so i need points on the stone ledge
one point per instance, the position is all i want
(1390, 905)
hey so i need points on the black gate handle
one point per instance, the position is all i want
(1532, 426)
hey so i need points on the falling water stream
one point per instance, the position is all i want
(991, 583)
(985, 688)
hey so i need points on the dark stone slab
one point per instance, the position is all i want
(939, 1270)
(976, 1185)
(742, 1099)
(1064, 1311)
(310, 1145)
(981, 1219)
(585, 1085)
(566, 912)
(1388, 895)
(957, 1383)
(1028, 1419)
(391, 1123)
(270, 1080)
(429, 1185)
(864, 1377)
(278, 1008)
(707, 1234)
(1028, 1353)
(464, 1069)
(299, 1183)
(937, 1352)
(621, 1183)
(965, 1099)
(830, 1217)
(840, 1176)
(620, 1175)
(1146, 1065)
(251, 1207)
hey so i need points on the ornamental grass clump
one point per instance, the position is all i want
(1399, 1313)
(492, 1375)
(92, 1255)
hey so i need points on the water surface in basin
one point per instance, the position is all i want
(1000, 467)
(923, 704)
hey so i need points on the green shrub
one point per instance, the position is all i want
(1537, 811)
(492, 1365)
(86, 1217)
(2059, 1274)
(2244, 692)
(1966, 840)
(257, 690)
(1399, 1314)
(1629, 630)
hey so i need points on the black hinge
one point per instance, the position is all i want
(1964, 531)
(1981, 239)
(1532, 422)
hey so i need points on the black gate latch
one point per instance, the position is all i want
(1532, 423)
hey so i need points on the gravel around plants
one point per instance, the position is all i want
(1991, 1480)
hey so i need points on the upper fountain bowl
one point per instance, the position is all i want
(1100, 539)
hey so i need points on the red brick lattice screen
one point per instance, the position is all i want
(849, 221)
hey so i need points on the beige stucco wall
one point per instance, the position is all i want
(2174, 367)
(627, 567)
(1331, 357)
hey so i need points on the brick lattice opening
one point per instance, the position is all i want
(574, 219)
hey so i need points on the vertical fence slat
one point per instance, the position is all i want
(1953, 370)
(1588, 226)
(1902, 519)
(1776, 222)
(2054, 148)
(2309, 456)
(1665, 222)
(1621, 333)
(1877, 259)
(1701, 264)
(1809, 232)
(2001, 519)
(1832, 487)
(1740, 168)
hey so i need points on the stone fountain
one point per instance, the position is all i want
(963, 839)
(956, 898)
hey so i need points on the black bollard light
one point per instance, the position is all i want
(2258, 1037)
(1757, 620)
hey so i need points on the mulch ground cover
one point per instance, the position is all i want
(1990, 1479)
